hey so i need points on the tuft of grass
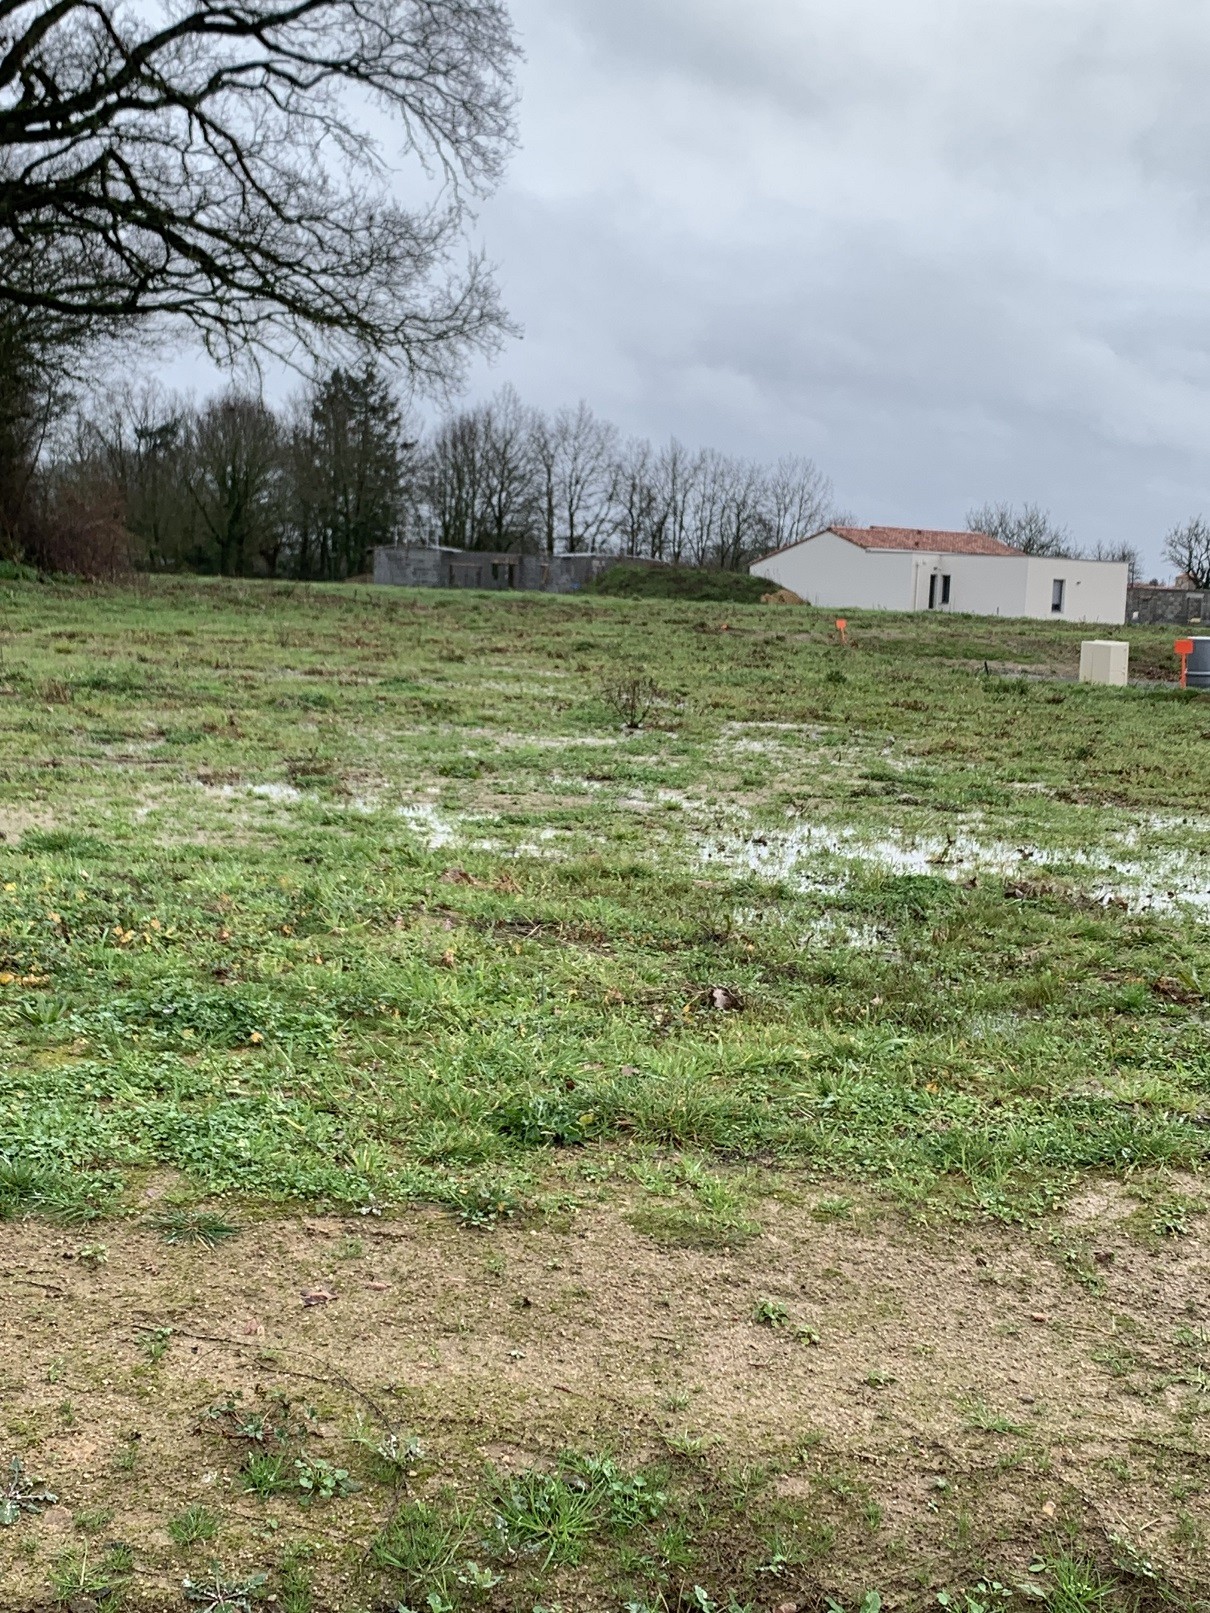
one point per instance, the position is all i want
(268, 1473)
(297, 1592)
(201, 1227)
(424, 1544)
(684, 1226)
(196, 1523)
(980, 1418)
(1079, 1587)
(543, 1514)
(27, 1188)
(77, 1575)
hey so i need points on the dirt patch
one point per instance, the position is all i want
(16, 821)
(895, 1360)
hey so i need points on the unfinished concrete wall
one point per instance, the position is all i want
(416, 566)
(1146, 602)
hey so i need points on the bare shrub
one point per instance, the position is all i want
(633, 696)
(80, 531)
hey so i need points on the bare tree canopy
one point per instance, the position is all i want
(1031, 529)
(219, 162)
(1188, 548)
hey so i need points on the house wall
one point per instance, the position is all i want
(981, 584)
(837, 575)
(830, 572)
(1096, 590)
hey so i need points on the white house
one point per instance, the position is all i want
(902, 568)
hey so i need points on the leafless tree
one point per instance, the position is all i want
(217, 160)
(1031, 529)
(141, 439)
(677, 479)
(509, 514)
(1188, 548)
(800, 501)
(450, 483)
(744, 528)
(636, 498)
(575, 459)
(235, 482)
(1121, 553)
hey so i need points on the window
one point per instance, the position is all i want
(945, 589)
(933, 591)
(1058, 590)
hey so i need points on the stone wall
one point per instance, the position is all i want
(1145, 602)
(417, 566)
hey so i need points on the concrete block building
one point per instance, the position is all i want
(415, 565)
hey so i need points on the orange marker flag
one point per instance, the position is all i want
(1184, 648)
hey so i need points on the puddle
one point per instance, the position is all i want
(815, 858)
(436, 831)
(275, 792)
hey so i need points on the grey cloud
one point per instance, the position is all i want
(954, 251)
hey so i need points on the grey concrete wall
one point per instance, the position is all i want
(1180, 606)
(414, 566)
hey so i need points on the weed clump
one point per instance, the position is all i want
(201, 1227)
(21, 1494)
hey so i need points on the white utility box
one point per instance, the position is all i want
(1105, 660)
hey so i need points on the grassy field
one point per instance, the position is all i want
(519, 1103)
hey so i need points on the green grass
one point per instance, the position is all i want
(697, 583)
(196, 1524)
(367, 897)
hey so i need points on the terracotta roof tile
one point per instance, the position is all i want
(922, 539)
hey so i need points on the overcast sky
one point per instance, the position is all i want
(952, 249)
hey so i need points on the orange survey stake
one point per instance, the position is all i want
(842, 627)
(1184, 648)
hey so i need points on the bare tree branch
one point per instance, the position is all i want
(221, 162)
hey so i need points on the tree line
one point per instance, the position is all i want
(289, 179)
(236, 487)
(1033, 530)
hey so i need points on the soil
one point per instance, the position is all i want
(958, 1375)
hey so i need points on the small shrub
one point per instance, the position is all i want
(701, 584)
(481, 1204)
(770, 1313)
(155, 1344)
(632, 696)
(217, 1595)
